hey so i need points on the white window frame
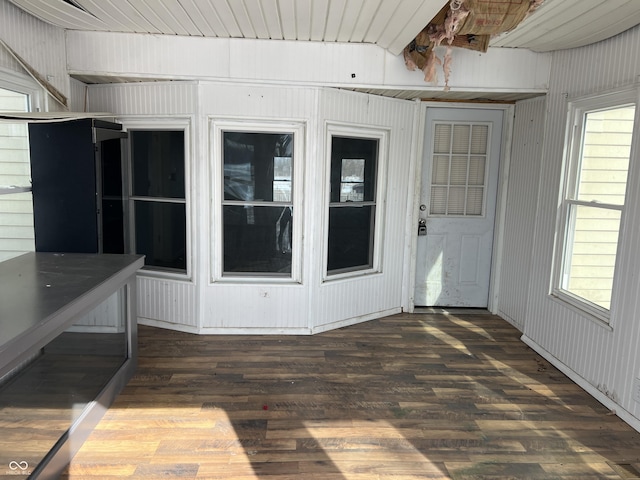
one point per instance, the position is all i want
(577, 111)
(10, 80)
(360, 132)
(155, 123)
(217, 127)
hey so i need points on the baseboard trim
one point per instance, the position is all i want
(616, 408)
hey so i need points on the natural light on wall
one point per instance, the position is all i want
(16, 209)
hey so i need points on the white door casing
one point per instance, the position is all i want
(461, 161)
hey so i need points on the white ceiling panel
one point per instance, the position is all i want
(109, 13)
(60, 13)
(303, 18)
(561, 24)
(391, 24)
(332, 23)
(363, 22)
(182, 17)
(203, 16)
(150, 16)
(349, 19)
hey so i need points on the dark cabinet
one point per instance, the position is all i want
(78, 186)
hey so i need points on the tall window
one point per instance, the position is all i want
(258, 204)
(353, 202)
(594, 200)
(158, 201)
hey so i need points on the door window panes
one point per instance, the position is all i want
(458, 176)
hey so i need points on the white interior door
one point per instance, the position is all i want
(460, 168)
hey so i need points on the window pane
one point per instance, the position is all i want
(353, 169)
(282, 178)
(438, 205)
(479, 137)
(605, 155)
(161, 234)
(257, 239)
(591, 253)
(16, 232)
(475, 200)
(258, 166)
(440, 173)
(461, 135)
(442, 138)
(352, 180)
(350, 238)
(158, 163)
(458, 169)
(456, 201)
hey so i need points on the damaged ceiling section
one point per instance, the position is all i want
(466, 24)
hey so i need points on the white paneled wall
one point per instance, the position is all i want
(78, 100)
(340, 300)
(145, 99)
(301, 63)
(603, 359)
(524, 171)
(167, 303)
(207, 304)
(255, 306)
(161, 301)
(41, 45)
(108, 317)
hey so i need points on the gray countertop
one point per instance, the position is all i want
(37, 288)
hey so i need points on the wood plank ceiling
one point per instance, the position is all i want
(390, 24)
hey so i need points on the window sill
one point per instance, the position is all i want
(576, 307)
(350, 275)
(6, 190)
(255, 279)
(150, 272)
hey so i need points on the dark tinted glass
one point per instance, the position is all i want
(111, 161)
(350, 237)
(158, 163)
(257, 239)
(258, 166)
(161, 234)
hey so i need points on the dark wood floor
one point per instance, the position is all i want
(404, 397)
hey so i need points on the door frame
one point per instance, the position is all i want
(418, 143)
